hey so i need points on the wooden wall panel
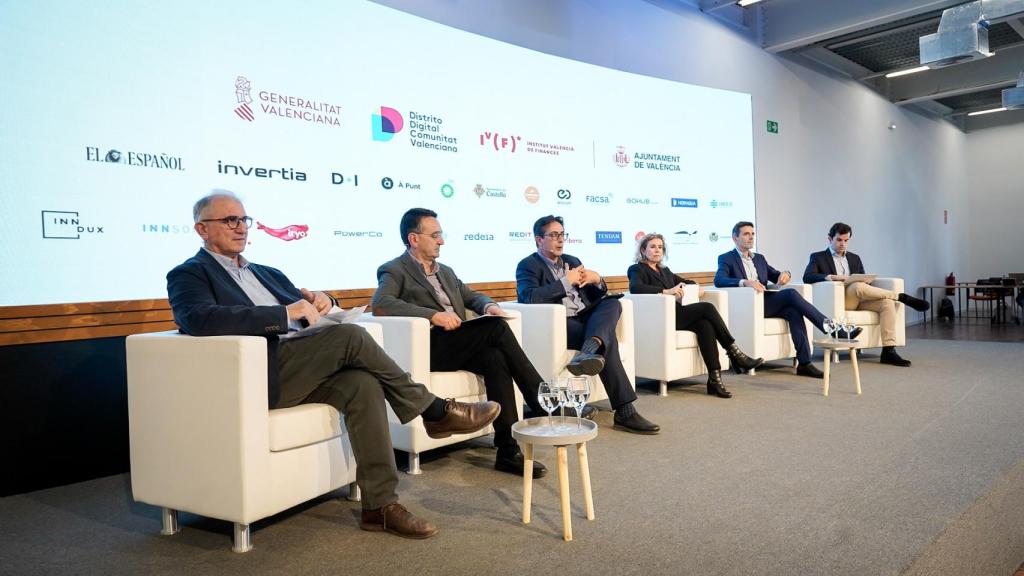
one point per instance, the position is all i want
(87, 320)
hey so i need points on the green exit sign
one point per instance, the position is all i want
(773, 127)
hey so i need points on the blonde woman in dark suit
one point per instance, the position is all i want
(650, 275)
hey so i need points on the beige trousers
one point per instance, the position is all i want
(864, 296)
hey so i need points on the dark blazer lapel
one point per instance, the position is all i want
(738, 263)
(414, 270)
(217, 272)
(830, 263)
(549, 278)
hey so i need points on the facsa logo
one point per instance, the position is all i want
(684, 202)
(608, 237)
(62, 225)
(386, 124)
(288, 233)
(478, 237)
(599, 199)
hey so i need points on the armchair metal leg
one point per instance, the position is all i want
(243, 539)
(169, 520)
(662, 388)
(414, 464)
(353, 492)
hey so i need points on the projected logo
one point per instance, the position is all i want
(65, 225)
(359, 234)
(564, 196)
(447, 190)
(478, 237)
(386, 124)
(684, 237)
(608, 237)
(283, 105)
(174, 229)
(500, 143)
(130, 158)
(720, 204)
(621, 157)
(603, 200)
(531, 194)
(482, 191)
(520, 236)
(713, 237)
(261, 172)
(288, 233)
(639, 235)
(340, 179)
(684, 202)
(641, 202)
(548, 149)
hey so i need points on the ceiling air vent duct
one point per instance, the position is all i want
(1013, 98)
(963, 31)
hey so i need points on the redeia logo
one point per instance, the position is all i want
(386, 124)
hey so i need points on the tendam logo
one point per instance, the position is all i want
(288, 233)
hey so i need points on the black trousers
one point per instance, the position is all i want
(487, 347)
(343, 366)
(600, 321)
(703, 319)
(791, 305)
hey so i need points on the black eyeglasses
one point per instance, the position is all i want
(232, 222)
(557, 235)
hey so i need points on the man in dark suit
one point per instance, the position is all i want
(416, 284)
(218, 292)
(836, 264)
(549, 276)
(742, 267)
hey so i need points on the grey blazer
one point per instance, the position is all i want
(403, 290)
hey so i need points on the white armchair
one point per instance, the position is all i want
(407, 341)
(757, 336)
(545, 341)
(664, 353)
(830, 298)
(203, 440)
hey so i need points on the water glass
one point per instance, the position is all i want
(577, 392)
(550, 398)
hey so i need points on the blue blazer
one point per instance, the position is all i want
(822, 265)
(730, 270)
(535, 284)
(206, 301)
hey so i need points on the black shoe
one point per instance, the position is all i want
(715, 387)
(636, 424)
(740, 362)
(842, 334)
(510, 460)
(915, 303)
(588, 361)
(810, 370)
(889, 356)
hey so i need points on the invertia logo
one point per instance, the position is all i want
(65, 225)
(500, 143)
(621, 158)
(282, 173)
(283, 106)
(386, 124)
(288, 233)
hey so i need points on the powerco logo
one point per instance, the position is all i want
(288, 233)
(64, 225)
(608, 237)
(260, 172)
(283, 106)
(478, 237)
(130, 158)
(684, 202)
(364, 234)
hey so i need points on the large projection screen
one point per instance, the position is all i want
(329, 122)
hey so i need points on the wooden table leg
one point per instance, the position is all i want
(856, 370)
(527, 480)
(588, 497)
(828, 364)
(563, 488)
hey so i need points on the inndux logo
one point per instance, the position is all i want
(142, 159)
(64, 225)
(386, 124)
(288, 233)
(684, 202)
(608, 237)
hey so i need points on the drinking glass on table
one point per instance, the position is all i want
(577, 392)
(550, 398)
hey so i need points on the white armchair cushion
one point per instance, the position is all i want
(303, 425)
(756, 335)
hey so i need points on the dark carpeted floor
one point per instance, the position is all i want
(922, 474)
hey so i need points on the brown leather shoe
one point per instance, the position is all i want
(462, 418)
(396, 519)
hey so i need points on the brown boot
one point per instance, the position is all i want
(462, 418)
(396, 519)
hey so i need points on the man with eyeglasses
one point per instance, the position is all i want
(416, 284)
(549, 276)
(218, 292)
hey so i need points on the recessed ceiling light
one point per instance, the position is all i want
(980, 112)
(905, 72)
(745, 3)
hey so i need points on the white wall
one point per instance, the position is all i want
(995, 164)
(834, 158)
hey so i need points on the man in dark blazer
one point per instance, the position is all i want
(549, 276)
(742, 267)
(218, 292)
(836, 263)
(416, 284)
